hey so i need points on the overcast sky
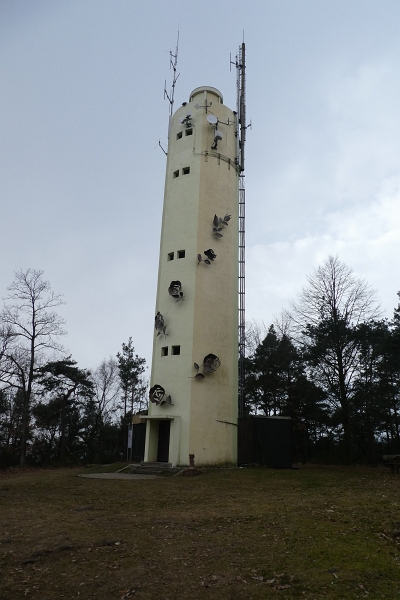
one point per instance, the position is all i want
(82, 176)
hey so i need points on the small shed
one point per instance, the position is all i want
(265, 441)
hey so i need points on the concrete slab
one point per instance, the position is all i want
(117, 476)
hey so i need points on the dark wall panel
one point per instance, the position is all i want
(265, 441)
(138, 440)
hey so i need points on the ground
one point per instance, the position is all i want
(316, 532)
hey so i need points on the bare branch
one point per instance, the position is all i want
(329, 309)
(334, 292)
(28, 326)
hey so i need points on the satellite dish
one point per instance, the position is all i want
(218, 135)
(197, 106)
(212, 119)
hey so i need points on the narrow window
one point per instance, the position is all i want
(179, 135)
(185, 170)
(181, 253)
(188, 132)
(176, 174)
(176, 350)
(164, 351)
(170, 256)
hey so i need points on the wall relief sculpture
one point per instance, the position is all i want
(210, 254)
(175, 290)
(210, 364)
(158, 397)
(159, 324)
(219, 224)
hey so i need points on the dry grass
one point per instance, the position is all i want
(314, 533)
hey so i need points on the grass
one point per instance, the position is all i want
(319, 532)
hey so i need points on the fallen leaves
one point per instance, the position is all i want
(127, 594)
(234, 533)
(280, 581)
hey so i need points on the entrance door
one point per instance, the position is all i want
(163, 441)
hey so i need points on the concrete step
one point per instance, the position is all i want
(156, 465)
(144, 471)
(150, 468)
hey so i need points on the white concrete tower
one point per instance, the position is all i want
(197, 318)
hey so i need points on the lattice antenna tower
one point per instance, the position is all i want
(240, 64)
(173, 62)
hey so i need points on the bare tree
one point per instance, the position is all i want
(28, 328)
(107, 388)
(284, 324)
(255, 334)
(329, 309)
(257, 331)
(332, 292)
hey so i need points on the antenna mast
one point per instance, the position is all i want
(240, 64)
(173, 61)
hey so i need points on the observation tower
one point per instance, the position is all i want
(193, 407)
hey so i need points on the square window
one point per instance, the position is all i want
(176, 174)
(176, 350)
(185, 170)
(170, 256)
(179, 135)
(164, 351)
(181, 253)
(189, 131)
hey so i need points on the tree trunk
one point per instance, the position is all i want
(24, 432)
(28, 392)
(344, 402)
(63, 441)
